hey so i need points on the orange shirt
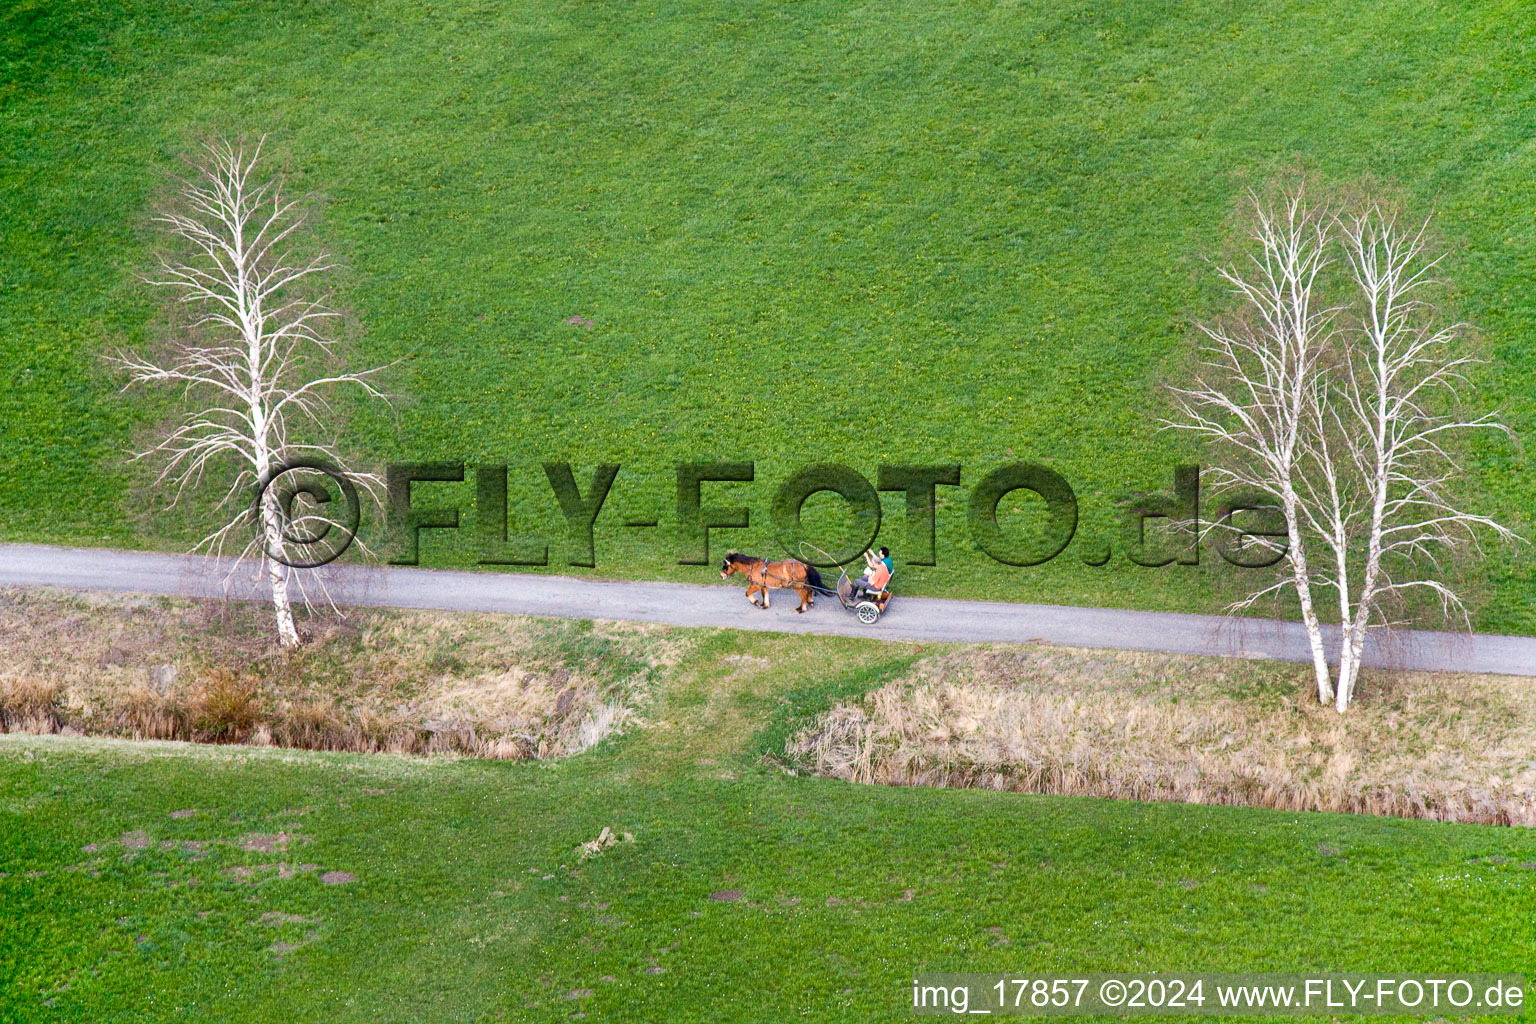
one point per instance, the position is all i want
(879, 576)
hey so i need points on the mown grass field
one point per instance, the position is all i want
(337, 887)
(985, 219)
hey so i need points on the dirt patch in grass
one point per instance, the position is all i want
(257, 843)
(1198, 730)
(375, 680)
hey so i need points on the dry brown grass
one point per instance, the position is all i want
(378, 680)
(1158, 727)
(225, 705)
(28, 705)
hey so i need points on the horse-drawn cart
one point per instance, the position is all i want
(801, 577)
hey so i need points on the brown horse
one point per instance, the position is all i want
(763, 575)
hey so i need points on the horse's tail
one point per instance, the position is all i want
(813, 576)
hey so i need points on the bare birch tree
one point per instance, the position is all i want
(1394, 407)
(1258, 380)
(255, 363)
(1343, 415)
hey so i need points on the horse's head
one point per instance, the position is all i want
(729, 565)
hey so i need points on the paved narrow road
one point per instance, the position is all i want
(909, 618)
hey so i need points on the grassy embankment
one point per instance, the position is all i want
(404, 682)
(1157, 727)
(1035, 719)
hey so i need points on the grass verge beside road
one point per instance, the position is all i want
(1030, 718)
(371, 680)
(1202, 730)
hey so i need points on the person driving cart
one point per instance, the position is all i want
(877, 573)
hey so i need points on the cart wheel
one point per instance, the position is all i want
(868, 612)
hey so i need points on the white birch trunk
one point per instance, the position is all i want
(1301, 577)
(277, 576)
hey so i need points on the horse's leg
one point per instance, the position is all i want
(750, 595)
(805, 597)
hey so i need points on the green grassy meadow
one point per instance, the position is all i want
(984, 220)
(747, 894)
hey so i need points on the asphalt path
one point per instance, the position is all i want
(677, 604)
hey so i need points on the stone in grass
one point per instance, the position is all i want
(726, 895)
(606, 838)
(162, 678)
